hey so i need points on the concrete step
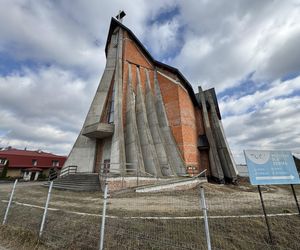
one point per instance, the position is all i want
(77, 182)
(72, 182)
(76, 188)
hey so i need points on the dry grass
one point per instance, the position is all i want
(65, 230)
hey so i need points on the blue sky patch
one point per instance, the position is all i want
(164, 16)
(290, 76)
(246, 86)
(8, 65)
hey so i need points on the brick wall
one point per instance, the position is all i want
(184, 119)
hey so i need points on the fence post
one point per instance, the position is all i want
(9, 203)
(103, 216)
(46, 209)
(204, 208)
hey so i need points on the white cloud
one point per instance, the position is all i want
(43, 107)
(277, 89)
(163, 37)
(216, 45)
(245, 36)
(272, 123)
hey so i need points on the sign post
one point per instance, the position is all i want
(271, 168)
(295, 197)
(265, 214)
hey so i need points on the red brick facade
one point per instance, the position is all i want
(184, 118)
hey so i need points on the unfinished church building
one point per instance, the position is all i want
(146, 118)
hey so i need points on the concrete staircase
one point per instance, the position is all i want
(77, 182)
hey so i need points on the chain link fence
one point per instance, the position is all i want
(161, 220)
(236, 218)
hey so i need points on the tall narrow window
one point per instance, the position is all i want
(106, 166)
(34, 162)
(55, 163)
(111, 107)
(2, 161)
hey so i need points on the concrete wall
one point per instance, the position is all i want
(83, 151)
(156, 124)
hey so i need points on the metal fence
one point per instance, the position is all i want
(162, 220)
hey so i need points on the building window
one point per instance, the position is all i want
(34, 162)
(2, 161)
(111, 107)
(55, 163)
(106, 166)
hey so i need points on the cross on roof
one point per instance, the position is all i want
(121, 15)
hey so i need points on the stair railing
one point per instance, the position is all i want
(68, 170)
(201, 173)
(52, 175)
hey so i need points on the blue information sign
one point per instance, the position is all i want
(271, 167)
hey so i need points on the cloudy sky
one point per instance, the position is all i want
(52, 58)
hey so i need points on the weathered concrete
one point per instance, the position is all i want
(98, 130)
(176, 184)
(147, 145)
(155, 130)
(83, 152)
(174, 157)
(106, 150)
(118, 157)
(132, 140)
(227, 163)
(215, 164)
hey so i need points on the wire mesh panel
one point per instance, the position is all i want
(153, 220)
(73, 220)
(5, 190)
(66, 230)
(24, 212)
(160, 220)
(236, 218)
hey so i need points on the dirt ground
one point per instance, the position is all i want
(166, 220)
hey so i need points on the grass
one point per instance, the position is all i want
(65, 230)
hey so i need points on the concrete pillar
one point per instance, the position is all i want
(215, 164)
(36, 176)
(223, 150)
(174, 156)
(117, 157)
(83, 152)
(132, 140)
(147, 145)
(155, 130)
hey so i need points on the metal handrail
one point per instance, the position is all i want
(68, 170)
(106, 172)
(198, 175)
(52, 175)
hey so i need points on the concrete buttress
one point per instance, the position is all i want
(83, 152)
(215, 164)
(174, 156)
(148, 149)
(118, 156)
(132, 141)
(155, 130)
(224, 153)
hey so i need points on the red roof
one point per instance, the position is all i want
(31, 159)
(14, 151)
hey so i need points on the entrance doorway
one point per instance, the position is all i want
(32, 177)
